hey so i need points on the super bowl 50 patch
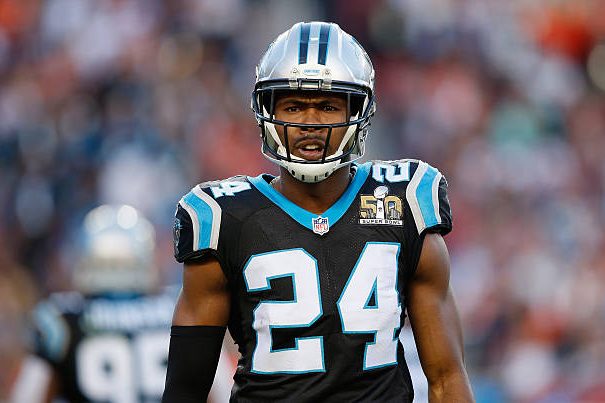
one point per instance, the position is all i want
(380, 208)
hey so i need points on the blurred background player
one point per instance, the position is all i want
(107, 341)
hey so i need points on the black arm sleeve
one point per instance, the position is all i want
(192, 361)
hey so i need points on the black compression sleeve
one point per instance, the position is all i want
(192, 360)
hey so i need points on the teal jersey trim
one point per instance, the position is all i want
(204, 217)
(304, 217)
(424, 194)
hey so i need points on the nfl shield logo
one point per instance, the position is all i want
(320, 225)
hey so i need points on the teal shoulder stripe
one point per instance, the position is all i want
(422, 195)
(205, 216)
(305, 217)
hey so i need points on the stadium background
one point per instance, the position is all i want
(136, 101)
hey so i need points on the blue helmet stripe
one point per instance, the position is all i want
(324, 38)
(303, 46)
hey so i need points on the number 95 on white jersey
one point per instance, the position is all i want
(118, 369)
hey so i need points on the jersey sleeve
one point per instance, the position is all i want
(197, 226)
(427, 197)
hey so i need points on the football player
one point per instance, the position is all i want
(313, 271)
(107, 341)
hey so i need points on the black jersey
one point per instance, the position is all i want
(106, 348)
(317, 300)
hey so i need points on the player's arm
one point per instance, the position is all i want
(436, 325)
(36, 382)
(53, 387)
(39, 379)
(200, 317)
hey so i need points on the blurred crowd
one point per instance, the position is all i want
(135, 101)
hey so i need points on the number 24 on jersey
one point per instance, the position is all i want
(374, 278)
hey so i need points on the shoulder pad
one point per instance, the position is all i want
(52, 330)
(200, 215)
(426, 195)
(197, 223)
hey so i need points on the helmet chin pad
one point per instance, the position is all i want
(311, 173)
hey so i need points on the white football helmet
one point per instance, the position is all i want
(116, 252)
(315, 56)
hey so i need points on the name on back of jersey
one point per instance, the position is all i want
(110, 315)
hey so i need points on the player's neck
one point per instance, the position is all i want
(313, 197)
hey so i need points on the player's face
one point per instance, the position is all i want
(309, 143)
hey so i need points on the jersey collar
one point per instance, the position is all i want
(305, 217)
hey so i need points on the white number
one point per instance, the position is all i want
(105, 369)
(112, 368)
(374, 277)
(151, 350)
(303, 311)
(380, 172)
(229, 188)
